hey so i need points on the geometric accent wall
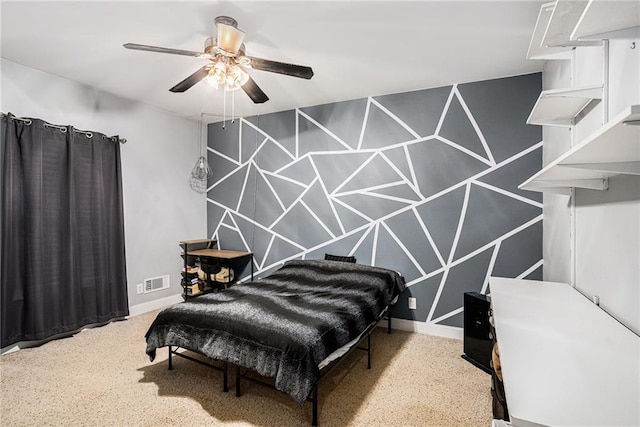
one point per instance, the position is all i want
(423, 182)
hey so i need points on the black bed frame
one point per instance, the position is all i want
(313, 398)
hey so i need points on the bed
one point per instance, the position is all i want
(292, 326)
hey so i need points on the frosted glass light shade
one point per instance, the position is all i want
(229, 38)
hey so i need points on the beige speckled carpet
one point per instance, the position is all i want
(102, 377)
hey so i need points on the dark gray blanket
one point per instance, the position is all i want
(284, 325)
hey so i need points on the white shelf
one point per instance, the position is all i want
(560, 107)
(564, 17)
(608, 19)
(537, 47)
(613, 150)
(564, 360)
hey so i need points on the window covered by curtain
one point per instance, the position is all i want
(62, 253)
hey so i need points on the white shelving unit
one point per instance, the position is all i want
(622, 20)
(565, 361)
(561, 107)
(551, 37)
(613, 150)
(564, 17)
(538, 48)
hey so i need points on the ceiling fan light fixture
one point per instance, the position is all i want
(229, 38)
(229, 77)
(236, 77)
(227, 63)
(217, 74)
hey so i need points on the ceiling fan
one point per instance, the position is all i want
(228, 63)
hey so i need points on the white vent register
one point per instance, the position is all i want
(156, 283)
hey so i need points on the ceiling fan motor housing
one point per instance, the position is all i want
(211, 43)
(226, 20)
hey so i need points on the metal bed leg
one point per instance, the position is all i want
(369, 351)
(237, 381)
(170, 361)
(314, 403)
(225, 383)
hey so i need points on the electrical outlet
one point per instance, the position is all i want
(140, 288)
(412, 303)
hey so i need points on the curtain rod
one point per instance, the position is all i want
(63, 129)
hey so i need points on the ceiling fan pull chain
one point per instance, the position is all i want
(233, 107)
(224, 108)
(202, 150)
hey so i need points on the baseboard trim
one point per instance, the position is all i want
(157, 304)
(425, 328)
(134, 310)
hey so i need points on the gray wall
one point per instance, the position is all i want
(159, 207)
(422, 182)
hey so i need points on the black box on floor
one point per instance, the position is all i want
(478, 343)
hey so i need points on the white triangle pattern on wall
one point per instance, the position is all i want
(365, 201)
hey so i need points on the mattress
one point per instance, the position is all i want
(285, 325)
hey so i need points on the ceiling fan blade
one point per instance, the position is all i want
(255, 93)
(191, 80)
(158, 49)
(280, 67)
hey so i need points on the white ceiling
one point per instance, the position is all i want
(356, 48)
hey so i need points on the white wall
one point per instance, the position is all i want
(160, 209)
(556, 222)
(606, 245)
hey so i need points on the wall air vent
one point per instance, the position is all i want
(156, 283)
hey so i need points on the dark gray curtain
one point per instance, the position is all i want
(62, 256)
